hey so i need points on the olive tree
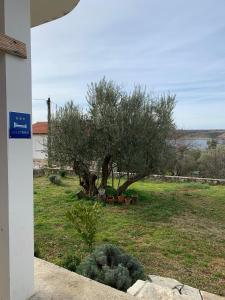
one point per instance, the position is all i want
(126, 132)
(145, 124)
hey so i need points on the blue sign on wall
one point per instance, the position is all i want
(19, 125)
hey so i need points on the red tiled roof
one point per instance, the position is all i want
(40, 128)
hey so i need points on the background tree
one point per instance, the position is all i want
(212, 162)
(184, 160)
(129, 132)
(212, 144)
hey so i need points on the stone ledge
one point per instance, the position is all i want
(161, 288)
(55, 283)
(208, 296)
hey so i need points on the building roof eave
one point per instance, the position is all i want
(43, 11)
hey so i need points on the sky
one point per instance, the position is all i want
(175, 46)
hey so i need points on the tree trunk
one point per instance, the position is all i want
(105, 171)
(93, 191)
(119, 182)
(127, 183)
(112, 175)
(87, 180)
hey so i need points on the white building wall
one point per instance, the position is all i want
(39, 147)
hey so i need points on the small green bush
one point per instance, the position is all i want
(37, 252)
(130, 193)
(86, 218)
(110, 191)
(55, 179)
(62, 173)
(111, 266)
(71, 262)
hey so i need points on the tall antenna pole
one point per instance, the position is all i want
(49, 134)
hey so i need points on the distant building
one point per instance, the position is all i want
(40, 138)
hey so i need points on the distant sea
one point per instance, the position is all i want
(198, 143)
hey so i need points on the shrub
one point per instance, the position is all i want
(86, 218)
(111, 266)
(71, 262)
(55, 179)
(37, 252)
(110, 191)
(212, 162)
(62, 173)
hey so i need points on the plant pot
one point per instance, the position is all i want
(128, 201)
(121, 199)
(110, 200)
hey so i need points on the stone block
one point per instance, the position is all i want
(162, 288)
(208, 296)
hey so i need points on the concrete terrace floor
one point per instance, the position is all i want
(55, 283)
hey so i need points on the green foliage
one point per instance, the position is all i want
(145, 124)
(127, 131)
(62, 173)
(130, 193)
(86, 218)
(111, 266)
(184, 161)
(37, 252)
(110, 191)
(212, 162)
(212, 144)
(55, 179)
(71, 262)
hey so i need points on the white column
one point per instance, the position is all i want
(16, 179)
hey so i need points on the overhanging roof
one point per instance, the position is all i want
(43, 11)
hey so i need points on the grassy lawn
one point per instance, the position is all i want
(176, 229)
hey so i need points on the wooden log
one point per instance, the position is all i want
(12, 46)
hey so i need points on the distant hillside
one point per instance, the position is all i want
(201, 134)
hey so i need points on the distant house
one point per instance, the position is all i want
(40, 137)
